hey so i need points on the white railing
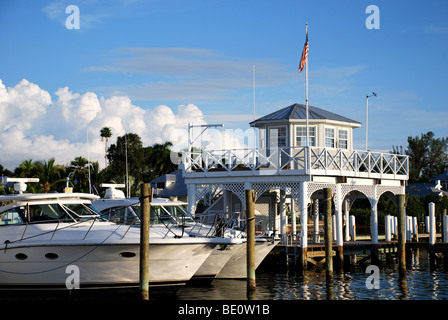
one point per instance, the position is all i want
(297, 161)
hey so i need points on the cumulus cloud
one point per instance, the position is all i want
(33, 125)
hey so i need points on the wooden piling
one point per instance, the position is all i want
(250, 214)
(145, 202)
(328, 235)
(400, 200)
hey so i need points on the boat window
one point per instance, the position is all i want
(79, 210)
(158, 215)
(12, 216)
(126, 215)
(43, 212)
(179, 213)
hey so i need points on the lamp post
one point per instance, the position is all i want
(367, 114)
(204, 126)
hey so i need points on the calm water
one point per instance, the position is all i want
(277, 282)
(418, 285)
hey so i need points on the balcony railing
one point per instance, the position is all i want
(297, 161)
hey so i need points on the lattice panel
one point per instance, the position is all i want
(237, 189)
(316, 186)
(383, 189)
(292, 189)
(367, 190)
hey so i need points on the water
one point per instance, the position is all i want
(275, 281)
(278, 282)
(418, 285)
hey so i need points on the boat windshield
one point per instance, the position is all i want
(159, 214)
(46, 212)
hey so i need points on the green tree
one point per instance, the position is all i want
(415, 207)
(427, 156)
(127, 150)
(105, 134)
(158, 160)
(78, 167)
(49, 173)
(5, 172)
(27, 169)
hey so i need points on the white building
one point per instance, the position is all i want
(297, 173)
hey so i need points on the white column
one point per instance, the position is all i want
(395, 228)
(353, 227)
(191, 198)
(283, 217)
(445, 228)
(334, 228)
(304, 215)
(293, 219)
(432, 223)
(347, 220)
(387, 226)
(374, 221)
(338, 213)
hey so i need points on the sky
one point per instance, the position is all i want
(152, 67)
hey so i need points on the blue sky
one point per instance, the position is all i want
(202, 53)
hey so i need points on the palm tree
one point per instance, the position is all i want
(27, 169)
(79, 168)
(46, 170)
(158, 159)
(49, 173)
(105, 133)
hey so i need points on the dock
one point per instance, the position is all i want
(363, 252)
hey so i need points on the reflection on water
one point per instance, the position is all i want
(419, 283)
(276, 282)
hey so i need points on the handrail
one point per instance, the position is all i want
(299, 160)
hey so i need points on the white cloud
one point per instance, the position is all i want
(189, 73)
(33, 126)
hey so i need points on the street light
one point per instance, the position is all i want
(205, 126)
(367, 113)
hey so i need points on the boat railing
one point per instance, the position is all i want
(61, 224)
(216, 225)
(228, 224)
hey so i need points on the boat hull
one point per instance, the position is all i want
(98, 266)
(219, 257)
(94, 254)
(236, 267)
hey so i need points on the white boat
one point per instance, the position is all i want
(174, 217)
(58, 240)
(225, 261)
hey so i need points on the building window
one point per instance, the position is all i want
(329, 137)
(262, 135)
(343, 139)
(277, 137)
(301, 136)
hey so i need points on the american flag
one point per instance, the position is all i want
(304, 54)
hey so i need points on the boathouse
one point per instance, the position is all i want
(287, 170)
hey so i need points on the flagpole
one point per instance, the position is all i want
(308, 167)
(304, 63)
(306, 93)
